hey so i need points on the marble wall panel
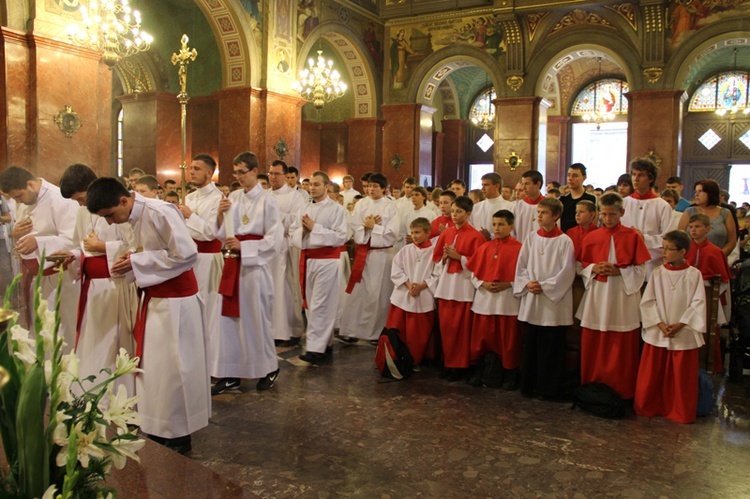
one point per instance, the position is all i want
(284, 120)
(234, 128)
(139, 132)
(169, 138)
(438, 139)
(425, 143)
(333, 148)
(16, 84)
(364, 147)
(401, 135)
(658, 115)
(518, 129)
(203, 116)
(453, 152)
(310, 146)
(557, 148)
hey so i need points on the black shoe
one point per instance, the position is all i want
(348, 340)
(511, 381)
(181, 445)
(224, 385)
(268, 381)
(474, 380)
(292, 342)
(455, 374)
(312, 357)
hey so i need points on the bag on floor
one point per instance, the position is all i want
(705, 393)
(392, 356)
(599, 400)
(490, 370)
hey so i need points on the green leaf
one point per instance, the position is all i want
(33, 460)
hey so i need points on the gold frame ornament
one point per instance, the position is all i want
(513, 161)
(68, 121)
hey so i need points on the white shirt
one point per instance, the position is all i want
(349, 195)
(481, 215)
(205, 205)
(653, 217)
(329, 230)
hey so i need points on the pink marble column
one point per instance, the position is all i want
(454, 152)
(408, 133)
(364, 147)
(655, 124)
(557, 148)
(520, 126)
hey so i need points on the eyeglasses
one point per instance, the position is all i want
(669, 249)
(276, 173)
(237, 174)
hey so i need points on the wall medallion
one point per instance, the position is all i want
(68, 121)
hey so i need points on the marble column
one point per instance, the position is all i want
(151, 134)
(407, 133)
(454, 152)
(280, 118)
(558, 128)
(520, 127)
(235, 131)
(364, 147)
(655, 127)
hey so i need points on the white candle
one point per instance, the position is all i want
(229, 223)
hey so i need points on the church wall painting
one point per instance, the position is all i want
(409, 45)
(688, 16)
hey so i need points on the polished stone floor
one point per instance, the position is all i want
(340, 430)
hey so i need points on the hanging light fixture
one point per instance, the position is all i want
(483, 113)
(319, 83)
(599, 115)
(110, 27)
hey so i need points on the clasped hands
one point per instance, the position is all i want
(371, 221)
(606, 269)
(670, 330)
(414, 288)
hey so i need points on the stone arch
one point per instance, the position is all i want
(436, 67)
(613, 46)
(235, 41)
(359, 65)
(690, 60)
(449, 96)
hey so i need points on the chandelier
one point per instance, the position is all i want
(319, 83)
(112, 28)
(599, 115)
(482, 113)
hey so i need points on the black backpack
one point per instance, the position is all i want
(392, 356)
(490, 370)
(600, 400)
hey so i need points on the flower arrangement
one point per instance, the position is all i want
(68, 453)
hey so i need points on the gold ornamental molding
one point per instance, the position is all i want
(514, 82)
(653, 74)
(68, 121)
(513, 161)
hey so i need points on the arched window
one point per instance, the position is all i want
(599, 139)
(119, 143)
(482, 111)
(722, 93)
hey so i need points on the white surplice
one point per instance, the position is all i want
(411, 215)
(414, 264)
(673, 296)
(525, 220)
(323, 280)
(366, 308)
(653, 217)
(481, 215)
(53, 220)
(287, 308)
(204, 203)
(349, 195)
(174, 392)
(246, 347)
(551, 262)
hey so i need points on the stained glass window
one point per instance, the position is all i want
(727, 91)
(482, 110)
(119, 143)
(604, 96)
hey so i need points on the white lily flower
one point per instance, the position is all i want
(24, 346)
(126, 449)
(125, 364)
(85, 445)
(50, 492)
(69, 364)
(119, 409)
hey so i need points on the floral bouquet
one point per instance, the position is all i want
(68, 451)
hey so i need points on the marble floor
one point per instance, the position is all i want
(340, 430)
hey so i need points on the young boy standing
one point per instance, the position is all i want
(673, 312)
(412, 304)
(613, 259)
(586, 219)
(419, 198)
(544, 278)
(454, 291)
(526, 208)
(443, 221)
(495, 324)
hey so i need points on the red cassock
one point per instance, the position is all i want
(576, 234)
(611, 356)
(454, 315)
(711, 261)
(495, 261)
(442, 220)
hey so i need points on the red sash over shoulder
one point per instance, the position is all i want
(325, 253)
(212, 246)
(358, 267)
(94, 267)
(229, 287)
(182, 286)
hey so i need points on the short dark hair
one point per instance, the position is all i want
(149, 181)
(700, 217)
(380, 179)
(136, 170)
(104, 193)
(578, 166)
(625, 178)
(263, 176)
(323, 175)
(608, 199)
(171, 194)
(365, 177)
(458, 181)
(411, 181)
(674, 180)
(672, 194)
(169, 181)
(293, 169)
(15, 178)
(422, 191)
(678, 238)
(248, 158)
(278, 162)
(493, 177)
(76, 178)
(450, 194)
(206, 158)
(465, 203)
(507, 215)
(555, 184)
(336, 187)
(421, 223)
(534, 175)
(711, 188)
(645, 165)
(555, 205)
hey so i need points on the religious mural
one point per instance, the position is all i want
(307, 18)
(409, 45)
(252, 7)
(688, 16)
